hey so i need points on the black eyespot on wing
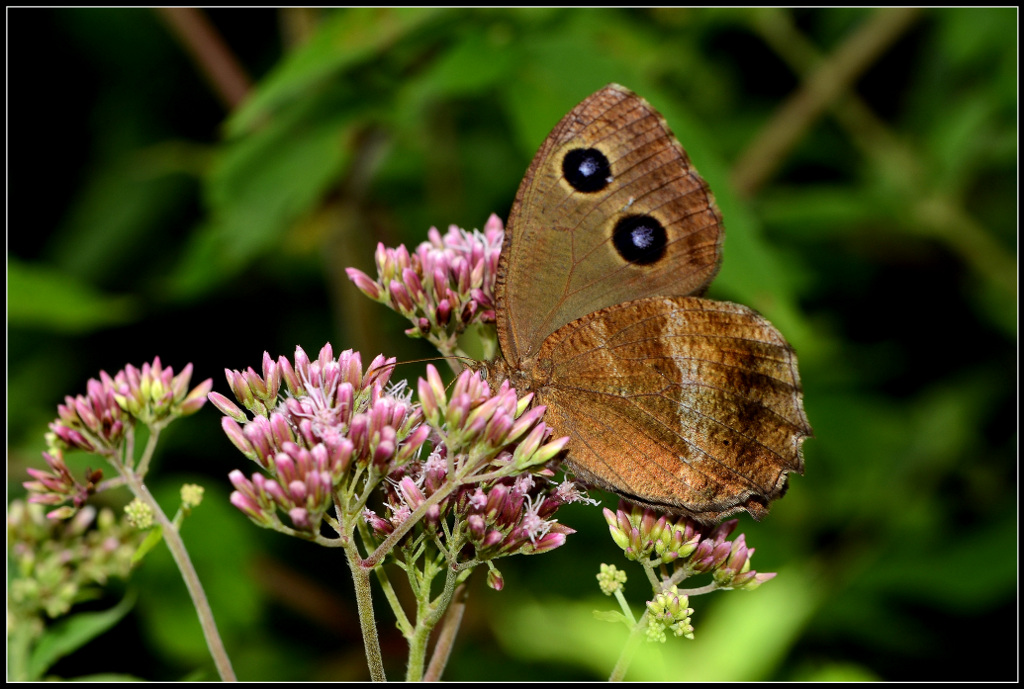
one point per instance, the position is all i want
(586, 169)
(640, 239)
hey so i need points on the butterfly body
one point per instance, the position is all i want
(672, 401)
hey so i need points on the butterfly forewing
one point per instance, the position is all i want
(561, 259)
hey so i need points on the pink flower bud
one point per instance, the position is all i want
(427, 399)
(195, 400)
(493, 225)
(384, 452)
(411, 494)
(413, 442)
(548, 542)
(363, 282)
(227, 407)
(288, 375)
(179, 384)
(400, 297)
(495, 580)
(237, 437)
(443, 313)
(300, 518)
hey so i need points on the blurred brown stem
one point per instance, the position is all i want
(933, 214)
(210, 53)
(820, 89)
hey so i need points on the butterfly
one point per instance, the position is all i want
(671, 401)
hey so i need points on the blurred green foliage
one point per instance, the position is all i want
(866, 165)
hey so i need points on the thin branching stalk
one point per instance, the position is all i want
(385, 547)
(181, 558)
(628, 651)
(446, 638)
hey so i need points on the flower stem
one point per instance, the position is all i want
(364, 602)
(396, 606)
(388, 543)
(188, 572)
(429, 614)
(699, 591)
(628, 651)
(624, 606)
(147, 454)
(446, 639)
(418, 643)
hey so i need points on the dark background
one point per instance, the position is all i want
(865, 162)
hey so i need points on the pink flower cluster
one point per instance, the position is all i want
(97, 421)
(93, 422)
(478, 423)
(332, 417)
(507, 516)
(645, 535)
(442, 287)
(100, 421)
(59, 486)
(499, 454)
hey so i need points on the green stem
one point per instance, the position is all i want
(396, 606)
(624, 606)
(364, 603)
(385, 547)
(110, 484)
(143, 466)
(440, 606)
(188, 572)
(446, 639)
(652, 577)
(628, 651)
(418, 645)
(425, 622)
(443, 492)
(20, 636)
(428, 614)
(699, 591)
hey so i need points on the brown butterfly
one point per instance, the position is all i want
(671, 401)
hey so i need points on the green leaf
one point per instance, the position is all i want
(128, 206)
(41, 297)
(73, 632)
(262, 185)
(155, 535)
(472, 65)
(762, 623)
(342, 40)
(611, 616)
(822, 212)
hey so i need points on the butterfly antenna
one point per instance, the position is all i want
(465, 360)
